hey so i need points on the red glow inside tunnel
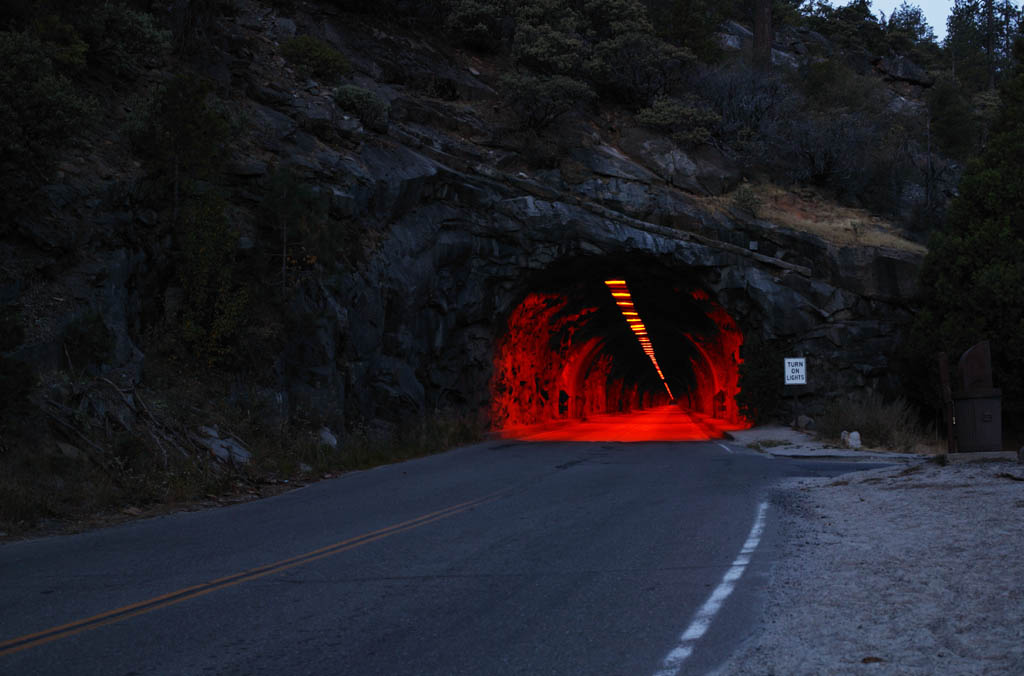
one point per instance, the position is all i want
(553, 380)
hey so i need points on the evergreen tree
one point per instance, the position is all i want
(973, 278)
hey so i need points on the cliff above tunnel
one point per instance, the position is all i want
(453, 266)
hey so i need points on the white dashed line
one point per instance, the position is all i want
(673, 662)
(727, 449)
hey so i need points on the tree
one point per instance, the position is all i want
(972, 282)
(762, 20)
(979, 40)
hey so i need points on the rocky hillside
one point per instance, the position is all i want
(291, 228)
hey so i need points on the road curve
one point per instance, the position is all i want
(500, 558)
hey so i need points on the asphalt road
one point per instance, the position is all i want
(500, 558)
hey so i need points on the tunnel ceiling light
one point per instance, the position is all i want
(620, 294)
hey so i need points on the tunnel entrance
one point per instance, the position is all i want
(571, 364)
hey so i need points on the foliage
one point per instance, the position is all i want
(40, 110)
(852, 27)
(549, 37)
(122, 40)
(313, 56)
(979, 41)
(16, 377)
(972, 282)
(538, 100)
(746, 200)
(688, 122)
(690, 23)
(892, 425)
(187, 132)
(371, 109)
(88, 341)
(954, 123)
(478, 24)
(296, 213)
(215, 303)
(831, 84)
(760, 378)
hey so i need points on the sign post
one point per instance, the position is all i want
(795, 374)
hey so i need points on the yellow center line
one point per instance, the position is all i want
(32, 640)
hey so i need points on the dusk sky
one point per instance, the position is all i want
(935, 11)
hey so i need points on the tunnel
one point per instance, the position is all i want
(623, 350)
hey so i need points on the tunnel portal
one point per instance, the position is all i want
(567, 353)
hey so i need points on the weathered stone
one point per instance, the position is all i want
(899, 67)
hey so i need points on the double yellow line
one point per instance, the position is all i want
(20, 643)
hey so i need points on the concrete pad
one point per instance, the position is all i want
(786, 442)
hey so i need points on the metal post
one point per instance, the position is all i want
(947, 401)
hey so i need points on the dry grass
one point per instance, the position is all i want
(882, 424)
(807, 210)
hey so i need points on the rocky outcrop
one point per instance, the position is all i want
(463, 229)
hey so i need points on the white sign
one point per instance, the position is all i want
(796, 371)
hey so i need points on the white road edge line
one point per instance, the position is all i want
(673, 662)
(727, 449)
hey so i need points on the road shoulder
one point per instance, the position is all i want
(910, 570)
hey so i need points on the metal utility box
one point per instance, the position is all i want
(979, 421)
(978, 418)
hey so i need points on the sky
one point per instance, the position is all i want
(935, 11)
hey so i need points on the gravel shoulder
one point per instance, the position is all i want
(899, 570)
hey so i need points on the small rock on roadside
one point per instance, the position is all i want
(328, 438)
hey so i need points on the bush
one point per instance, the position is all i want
(16, 377)
(186, 133)
(372, 111)
(893, 425)
(313, 56)
(478, 24)
(122, 40)
(215, 302)
(88, 341)
(538, 100)
(549, 38)
(40, 110)
(689, 123)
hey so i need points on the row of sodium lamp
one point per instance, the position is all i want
(620, 292)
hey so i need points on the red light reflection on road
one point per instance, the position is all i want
(662, 423)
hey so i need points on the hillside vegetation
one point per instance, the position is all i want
(140, 169)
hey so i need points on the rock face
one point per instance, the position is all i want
(465, 229)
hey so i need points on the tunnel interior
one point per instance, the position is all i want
(568, 352)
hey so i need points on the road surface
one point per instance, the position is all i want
(501, 558)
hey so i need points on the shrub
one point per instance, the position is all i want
(297, 215)
(16, 377)
(894, 424)
(636, 67)
(538, 100)
(123, 40)
(186, 134)
(313, 56)
(372, 110)
(688, 122)
(40, 110)
(549, 37)
(215, 301)
(746, 200)
(478, 24)
(88, 341)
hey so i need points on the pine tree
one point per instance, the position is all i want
(973, 278)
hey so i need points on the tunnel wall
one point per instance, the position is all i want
(544, 371)
(414, 329)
